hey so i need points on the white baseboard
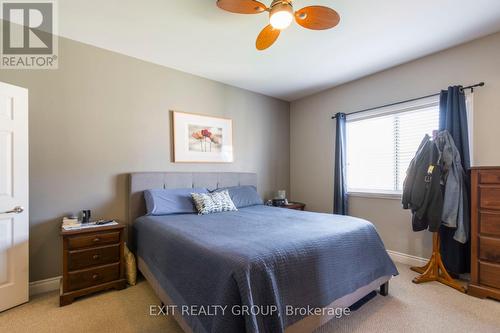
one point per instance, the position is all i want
(44, 286)
(407, 259)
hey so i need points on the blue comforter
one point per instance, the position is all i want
(261, 258)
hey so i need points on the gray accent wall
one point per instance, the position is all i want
(102, 115)
(312, 131)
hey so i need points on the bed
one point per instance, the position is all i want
(259, 269)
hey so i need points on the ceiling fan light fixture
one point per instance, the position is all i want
(281, 15)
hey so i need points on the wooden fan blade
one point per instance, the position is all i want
(267, 37)
(242, 6)
(317, 17)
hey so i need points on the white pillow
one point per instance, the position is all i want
(216, 202)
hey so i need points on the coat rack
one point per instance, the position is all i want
(434, 270)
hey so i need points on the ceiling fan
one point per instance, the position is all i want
(281, 15)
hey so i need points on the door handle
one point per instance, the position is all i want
(15, 210)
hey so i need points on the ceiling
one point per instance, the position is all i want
(195, 36)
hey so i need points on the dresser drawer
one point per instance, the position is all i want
(489, 197)
(94, 276)
(489, 177)
(79, 242)
(489, 274)
(489, 249)
(489, 223)
(98, 256)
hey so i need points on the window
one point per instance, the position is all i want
(380, 145)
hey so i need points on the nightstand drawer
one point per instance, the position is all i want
(93, 257)
(79, 242)
(94, 276)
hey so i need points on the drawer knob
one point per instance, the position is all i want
(96, 239)
(95, 276)
(95, 256)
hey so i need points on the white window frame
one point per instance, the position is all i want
(427, 102)
(469, 102)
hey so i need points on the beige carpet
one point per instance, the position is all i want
(408, 308)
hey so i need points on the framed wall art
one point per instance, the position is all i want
(202, 139)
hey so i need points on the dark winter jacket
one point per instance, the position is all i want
(422, 188)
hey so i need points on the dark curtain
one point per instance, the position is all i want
(340, 186)
(453, 118)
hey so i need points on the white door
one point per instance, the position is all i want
(14, 217)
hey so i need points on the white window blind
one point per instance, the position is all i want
(380, 148)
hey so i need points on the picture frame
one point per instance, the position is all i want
(199, 138)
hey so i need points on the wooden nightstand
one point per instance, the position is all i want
(92, 261)
(295, 206)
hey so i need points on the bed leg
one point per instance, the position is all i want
(384, 289)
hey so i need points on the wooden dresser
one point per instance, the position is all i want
(485, 233)
(93, 260)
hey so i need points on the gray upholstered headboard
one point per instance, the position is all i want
(141, 181)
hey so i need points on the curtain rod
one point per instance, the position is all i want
(471, 87)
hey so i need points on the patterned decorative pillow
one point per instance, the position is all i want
(216, 202)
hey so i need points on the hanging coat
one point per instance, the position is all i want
(455, 197)
(422, 188)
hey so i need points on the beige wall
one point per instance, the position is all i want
(312, 131)
(103, 115)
